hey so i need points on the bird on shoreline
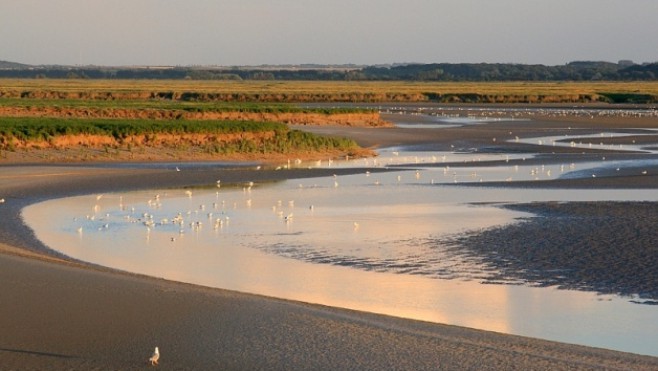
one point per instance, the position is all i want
(155, 357)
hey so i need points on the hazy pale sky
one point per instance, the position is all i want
(253, 32)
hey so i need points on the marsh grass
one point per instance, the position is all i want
(218, 136)
(41, 128)
(328, 90)
(172, 105)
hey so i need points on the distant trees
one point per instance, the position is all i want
(211, 75)
(574, 71)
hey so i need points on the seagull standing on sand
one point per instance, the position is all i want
(155, 357)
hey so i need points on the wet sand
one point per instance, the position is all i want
(604, 247)
(59, 314)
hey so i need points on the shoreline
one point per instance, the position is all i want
(74, 315)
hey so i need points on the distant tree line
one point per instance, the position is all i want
(574, 71)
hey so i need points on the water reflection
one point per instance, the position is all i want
(602, 141)
(344, 241)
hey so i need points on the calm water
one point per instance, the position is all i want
(367, 241)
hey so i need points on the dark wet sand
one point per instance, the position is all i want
(61, 315)
(604, 247)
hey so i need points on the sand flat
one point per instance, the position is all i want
(60, 315)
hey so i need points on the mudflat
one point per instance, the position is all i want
(59, 314)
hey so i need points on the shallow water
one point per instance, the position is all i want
(366, 242)
(369, 242)
(599, 141)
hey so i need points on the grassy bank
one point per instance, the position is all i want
(69, 119)
(173, 105)
(329, 91)
(75, 139)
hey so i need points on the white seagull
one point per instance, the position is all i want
(154, 358)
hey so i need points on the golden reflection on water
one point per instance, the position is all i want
(250, 270)
(319, 256)
(219, 259)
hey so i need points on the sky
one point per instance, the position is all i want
(256, 32)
